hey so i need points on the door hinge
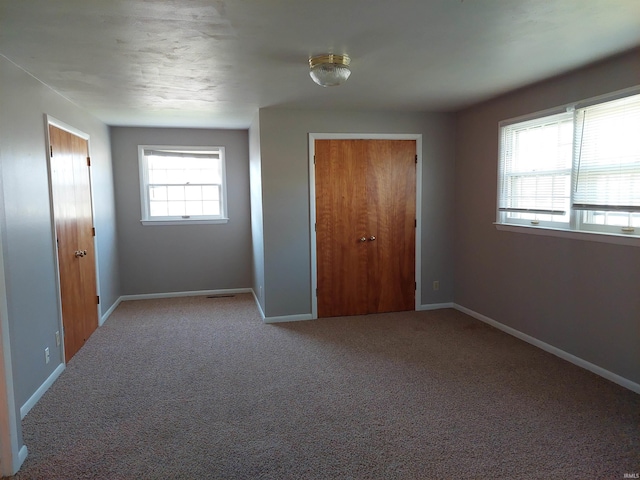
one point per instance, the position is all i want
(415, 223)
(98, 299)
(416, 158)
(314, 159)
(93, 231)
(316, 292)
(88, 161)
(51, 150)
(415, 285)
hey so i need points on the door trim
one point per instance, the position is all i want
(12, 453)
(49, 120)
(312, 204)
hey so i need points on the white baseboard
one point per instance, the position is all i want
(613, 377)
(196, 293)
(41, 390)
(22, 456)
(308, 316)
(288, 318)
(434, 306)
(108, 313)
(14, 462)
(285, 318)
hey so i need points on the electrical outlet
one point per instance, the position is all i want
(436, 285)
(46, 355)
(57, 338)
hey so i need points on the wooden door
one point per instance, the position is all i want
(391, 201)
(71, 189)
(365, 226)
(341, 224)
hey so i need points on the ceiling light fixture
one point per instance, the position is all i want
(329, 70)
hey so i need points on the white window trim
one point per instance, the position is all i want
(600, 237)
(571, 232)
(185, 221)
(144, 201)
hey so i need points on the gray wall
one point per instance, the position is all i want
(582, 297)
(285, 187)
(178, 258)
(257, 230)
(28, 249)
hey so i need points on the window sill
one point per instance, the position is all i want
(185, 222)
(572, 234)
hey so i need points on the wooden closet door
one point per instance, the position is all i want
(341, 224)
(71, 190)
(365, 226)
(391, 201)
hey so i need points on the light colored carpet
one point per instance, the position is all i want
(198, 388)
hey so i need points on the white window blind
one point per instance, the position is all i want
(535, 167)
(607, 159)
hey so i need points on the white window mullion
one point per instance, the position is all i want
(575, 218)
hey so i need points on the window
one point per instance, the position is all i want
(182, 184)
(576, 170)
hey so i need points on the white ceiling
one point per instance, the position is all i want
(213, 63)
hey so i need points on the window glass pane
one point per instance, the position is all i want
(158, 176)
(193, 192)
(209, 176)
(211, 192)
(543, 147)
(175, 193)
(157, 193)
(197, 163)
(176, 209)
(158, 209)
(211, 208)
(618, 219)
(596, 218)
(159, 163)
(193, 208)
(177, 176)
(611, 218)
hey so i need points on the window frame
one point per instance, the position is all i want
(146, 219)
(502, 213)
(577, 227)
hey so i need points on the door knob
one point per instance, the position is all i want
(80, 253)
(372, 238)
(363, 239)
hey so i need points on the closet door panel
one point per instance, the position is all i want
(391, 200)
(341, 224)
